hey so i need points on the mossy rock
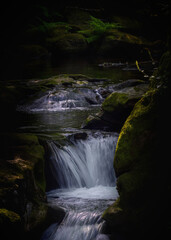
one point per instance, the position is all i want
(7, 216)
(116, 108)
(22, 177)
(140, 148)
(116, 101)
(142, 165)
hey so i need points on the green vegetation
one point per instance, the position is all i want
(98, 29)
(7, 216)
(22, 180)
(115, 101)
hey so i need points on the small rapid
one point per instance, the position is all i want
(60, 98)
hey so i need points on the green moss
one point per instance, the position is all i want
(23, 160)
(132, 134)
(141, 163)
(7, 216)
(118, 100)
(113, 209)
(22, 180)
(114, 101)
(140, 149)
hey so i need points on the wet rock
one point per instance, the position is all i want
(81, 135)
(117, 107)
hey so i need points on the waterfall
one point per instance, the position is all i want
(85, 186)
(84, 163)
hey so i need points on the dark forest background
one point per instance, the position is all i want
(17, 18)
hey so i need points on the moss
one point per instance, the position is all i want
(142, 178)
(7, 216)
(114, 101)
(138, 127)
(113, 209)
(141, 163)
(22, 167)
(118, 100)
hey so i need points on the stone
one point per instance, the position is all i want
(116, 107)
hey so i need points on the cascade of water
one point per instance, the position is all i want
(63, 99)
(84, 163)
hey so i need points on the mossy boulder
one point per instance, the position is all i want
(142, 168)
(116, 108)
(22, 180)
(118, 100)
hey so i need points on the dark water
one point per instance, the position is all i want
(51, 122)
(121, 70)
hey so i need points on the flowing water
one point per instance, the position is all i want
(79, 170)
(86, 186)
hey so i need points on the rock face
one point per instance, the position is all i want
(143, 168)
(22, 184)
(117, 106)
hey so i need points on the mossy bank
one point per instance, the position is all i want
(22, 181)
(142, 165)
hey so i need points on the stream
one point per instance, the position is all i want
(79, 165)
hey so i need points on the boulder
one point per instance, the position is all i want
(116, 108)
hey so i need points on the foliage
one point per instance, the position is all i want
(97, 29)
(100, 27)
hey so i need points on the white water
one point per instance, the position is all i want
(84, 163)
(64, 99)
(84, 171)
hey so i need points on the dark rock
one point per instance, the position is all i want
(80, 136)
(95, 122)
